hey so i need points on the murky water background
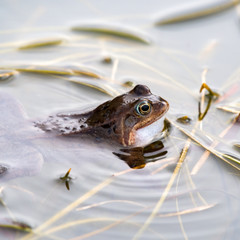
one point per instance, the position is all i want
(107, 199)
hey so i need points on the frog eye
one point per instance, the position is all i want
(143, 108)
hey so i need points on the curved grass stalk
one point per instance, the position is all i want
(166, 190)
(109, 201)
(68, 208)
(73, 205)
(76, 223)
(163, 75)
(94, 220)
(210, 149)
(98, 85)
(117, 222)
(188, 211)
(206, 154)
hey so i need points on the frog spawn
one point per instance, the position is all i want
(63, 125)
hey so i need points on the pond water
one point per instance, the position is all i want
(184, 192)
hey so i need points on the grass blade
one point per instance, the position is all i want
(41, 43)
(55, 70)
(193, 11)
(232, 107)
(197, 137)
(16, 225)
(113, 30)
(99, 85)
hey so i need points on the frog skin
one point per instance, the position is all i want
(116, 120)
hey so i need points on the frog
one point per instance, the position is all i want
(130, 119)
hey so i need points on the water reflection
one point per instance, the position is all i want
(138, 157)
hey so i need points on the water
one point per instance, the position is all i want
(107, 199)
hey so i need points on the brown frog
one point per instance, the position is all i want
(120, 120)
